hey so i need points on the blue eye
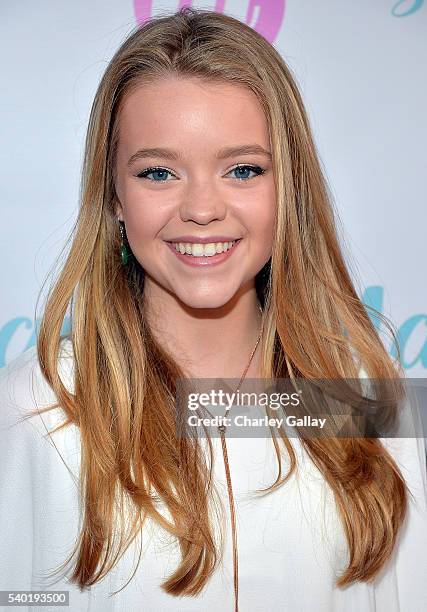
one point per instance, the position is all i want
(163, 172)
(159, 171)
(257, 169)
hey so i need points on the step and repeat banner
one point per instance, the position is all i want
(361, 69)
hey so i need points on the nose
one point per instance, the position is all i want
(202, 203)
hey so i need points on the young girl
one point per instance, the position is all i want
(205, 247)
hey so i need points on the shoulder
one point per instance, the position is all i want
(39, 470)
(406, 443)
(24, 390)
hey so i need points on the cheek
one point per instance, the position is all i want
(270, 214)
(266, 242)
(145, 217)
(261, 221)
(142, 228)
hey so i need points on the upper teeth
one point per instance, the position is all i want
(202, 250)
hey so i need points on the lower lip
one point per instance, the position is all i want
(203, 261)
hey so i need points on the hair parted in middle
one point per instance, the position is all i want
(125, 382)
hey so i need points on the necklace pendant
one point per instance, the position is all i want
(221, 428)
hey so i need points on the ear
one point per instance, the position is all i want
(118, 210)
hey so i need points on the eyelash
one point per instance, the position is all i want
(257, 169)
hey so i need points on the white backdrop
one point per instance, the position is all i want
(361, 68)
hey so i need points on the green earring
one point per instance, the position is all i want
(123, 249)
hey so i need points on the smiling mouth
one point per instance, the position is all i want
(203, 250)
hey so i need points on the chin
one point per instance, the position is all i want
(205, 301)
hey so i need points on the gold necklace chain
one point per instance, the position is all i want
(222, 430)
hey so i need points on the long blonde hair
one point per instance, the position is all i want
(314, 324)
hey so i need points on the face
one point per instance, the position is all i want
(198, 192)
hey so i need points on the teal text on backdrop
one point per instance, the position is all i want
(373, 297)
(403, 8)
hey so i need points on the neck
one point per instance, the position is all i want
(208, 342)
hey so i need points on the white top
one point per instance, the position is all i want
(291, 544)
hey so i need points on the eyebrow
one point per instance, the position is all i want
(224, 153)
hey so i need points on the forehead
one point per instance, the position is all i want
(184, 112)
